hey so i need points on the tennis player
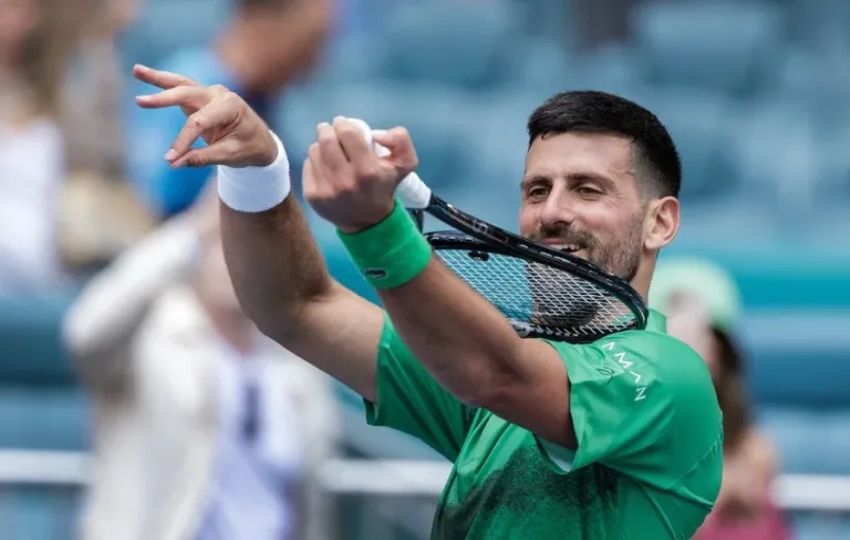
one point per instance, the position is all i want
(621, 438)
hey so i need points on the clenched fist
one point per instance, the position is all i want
(344, 179)
(235, 135)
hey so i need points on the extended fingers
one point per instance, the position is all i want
(162, 79)
(194, 97)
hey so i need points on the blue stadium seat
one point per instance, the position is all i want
(617, 69)
(809, 441)
(39, 512)
(41, 406)
(820, 526)
(460, 43)
(44, 418)
(31, 349)
(775, 149)
(723, 45)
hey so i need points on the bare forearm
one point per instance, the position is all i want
(462, 340)
(274, 263)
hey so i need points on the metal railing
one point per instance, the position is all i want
(394, 478)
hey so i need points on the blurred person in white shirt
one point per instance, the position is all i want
(35, 39)
(205, 429)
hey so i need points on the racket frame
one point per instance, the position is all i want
(499, 240)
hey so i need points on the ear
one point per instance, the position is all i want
(661, 223)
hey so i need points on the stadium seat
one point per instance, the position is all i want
(810, 441)
(31, 350)
(722, 45)
(41, 408)
(775, 149)
(820, 526)
(39, 512)
(44, 418)
(41, 405)
(459, 43)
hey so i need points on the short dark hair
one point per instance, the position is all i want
(600, 112)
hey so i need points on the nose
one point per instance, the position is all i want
(557, 210)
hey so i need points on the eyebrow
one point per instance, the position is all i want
(575, 177)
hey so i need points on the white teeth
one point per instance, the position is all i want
(568, 248)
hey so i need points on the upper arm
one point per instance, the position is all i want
(339, 333)
(353, 340)
(538, 398)
(99, 327)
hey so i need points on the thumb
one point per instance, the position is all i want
(402, 153)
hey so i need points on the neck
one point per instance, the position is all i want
(643, 278)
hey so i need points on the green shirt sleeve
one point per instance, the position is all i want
(642, 403)
(411, 401)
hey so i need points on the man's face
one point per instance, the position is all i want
(580, 193)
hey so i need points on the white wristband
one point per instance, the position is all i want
(256, 189)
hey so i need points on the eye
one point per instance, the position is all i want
(588, 190)
(537, 192)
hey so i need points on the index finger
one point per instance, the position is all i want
(162, 79)
(185, 96)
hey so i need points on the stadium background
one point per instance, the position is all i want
(757, 97)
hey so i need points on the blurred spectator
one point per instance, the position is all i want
(35, 39)
(100, 214)
(205, 429)
(268, 44)
(702, 304)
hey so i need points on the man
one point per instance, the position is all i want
(621, 438)
(205, 430)
(264, 47)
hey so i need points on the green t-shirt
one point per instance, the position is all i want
(649, 458)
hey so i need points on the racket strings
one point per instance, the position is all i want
(540, 299)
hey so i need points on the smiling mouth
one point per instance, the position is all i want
(566, 248)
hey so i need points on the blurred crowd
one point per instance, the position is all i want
(199, 426)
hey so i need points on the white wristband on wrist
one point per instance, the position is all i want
(256, 189)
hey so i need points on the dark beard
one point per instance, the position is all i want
(620, 258)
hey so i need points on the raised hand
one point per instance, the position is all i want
(346, 182)
(235, 135)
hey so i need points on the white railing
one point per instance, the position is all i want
(395, 478)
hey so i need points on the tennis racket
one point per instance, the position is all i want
(543, 292)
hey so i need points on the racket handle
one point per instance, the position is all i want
(412, 191)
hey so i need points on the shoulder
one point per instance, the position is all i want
(647, 367)
(661, 356)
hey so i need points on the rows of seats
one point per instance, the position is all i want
(754, 103)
